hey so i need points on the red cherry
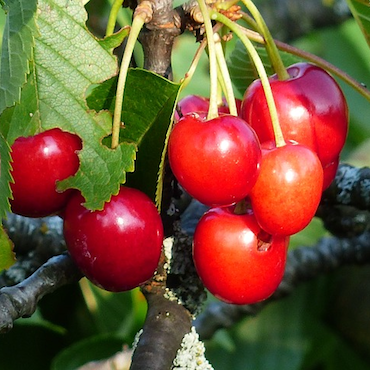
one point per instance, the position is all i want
(237, 261)
(311, 107)
(192, 103)
(119, 247)
(200, 104)
(288, 189)
(215, 161)
(38, 163)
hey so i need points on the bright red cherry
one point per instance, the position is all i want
(215, 161)
(117, 248)
(237, 261)
(311, 107)
(38, 163)
(288, 189)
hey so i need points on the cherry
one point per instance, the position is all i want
(117, 248)
(38, 163)
(200, 104)
(216, 161)
(311, 107)
(288, 189)
(237, 261)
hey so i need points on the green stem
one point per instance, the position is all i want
(279, 139)
(138, 21)
(225, 76)
(213, 109)
(117, 5)
(271, 48)
(357, 86)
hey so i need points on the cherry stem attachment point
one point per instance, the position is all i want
(279, 139)
(213, 109)
(142, 15)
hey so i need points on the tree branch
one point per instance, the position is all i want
(21, 300)
(35, 240)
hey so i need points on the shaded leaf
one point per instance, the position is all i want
(242, 71)
(90, 349)
(18, 43)
(7, 256)
(361, 12)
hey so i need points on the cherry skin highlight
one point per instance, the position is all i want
(237, 261)
(311, 107)
(119, 247)
(215, 161)
(38, 163)
(288, 189)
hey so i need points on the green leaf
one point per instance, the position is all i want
(18, 43)
(147, 109)
(115, 40)
(242, 71)
(87, 350)
(5, 177)
(361, 12)
(120, 313)
(67, 59)
(7, 256)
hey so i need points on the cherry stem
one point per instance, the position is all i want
(213, 108)
(357, 86)
(225, 76)
(142, 15)
(279, 139)
(194, 64)
(272, 50)
(117, 5)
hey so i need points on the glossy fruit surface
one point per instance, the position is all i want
(311, 107)
(216, 161)
(236, 261)
(119, 247)
(288, 189)
(38, 163)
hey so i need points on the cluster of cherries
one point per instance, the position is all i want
(259, 192)
(117, 248)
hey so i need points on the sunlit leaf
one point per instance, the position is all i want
(66, 60)
(146, 115)
(4, 177)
